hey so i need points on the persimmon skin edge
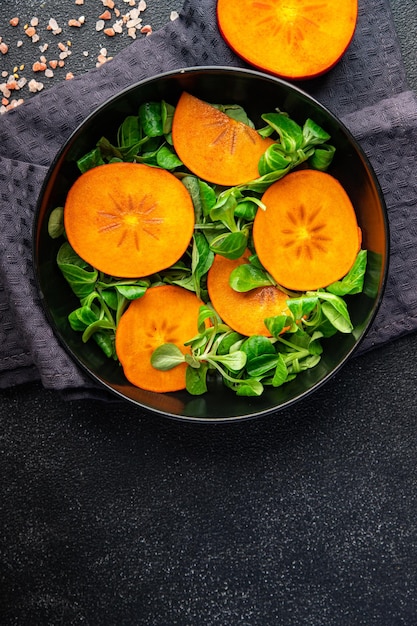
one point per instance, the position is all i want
(290, 42)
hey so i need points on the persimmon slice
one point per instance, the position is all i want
(294, 39)
(308, 236)
(243, 312)
(165, 314)
(214, 146)
(129, 219)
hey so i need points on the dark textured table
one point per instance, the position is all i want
(306, 517)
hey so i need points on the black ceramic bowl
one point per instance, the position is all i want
(257, 93)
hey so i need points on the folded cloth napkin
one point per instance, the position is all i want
(367, 90)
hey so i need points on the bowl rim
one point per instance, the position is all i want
(211, 69)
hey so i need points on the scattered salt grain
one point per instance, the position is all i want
(53, 24)
(35, 86)
(38, 66)
(5, 90)
(30, 31)
(118, 27)
(133, 23)
(173, 16)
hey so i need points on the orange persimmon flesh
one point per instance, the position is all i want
(214, 146)
(129, 219)
(243, 312)
(164, 314)
(294, 39)
(308, 235)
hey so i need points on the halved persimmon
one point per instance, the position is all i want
(129, 219)
(244, 312)
(308, 236)
(213, 146)
(165, 314)
(294, 39)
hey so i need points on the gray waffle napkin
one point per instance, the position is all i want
(367, 89)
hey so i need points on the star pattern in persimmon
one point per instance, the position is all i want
(229, 133)
(305, 235)
(287, 18)
(162, 331)
(131, 218)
